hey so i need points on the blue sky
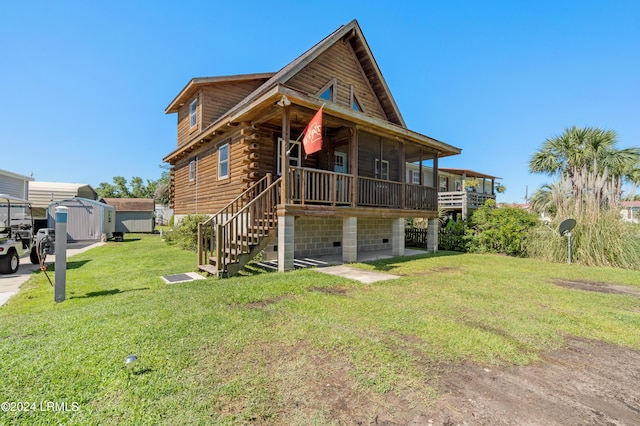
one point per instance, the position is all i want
(84, 84)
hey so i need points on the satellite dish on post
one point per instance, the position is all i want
(565, 230)
(566, 226)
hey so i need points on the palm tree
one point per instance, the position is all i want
(591, 150)
(542, 200)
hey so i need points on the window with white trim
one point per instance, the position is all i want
(193, 113)
(416, 178)
(384, 173)
(223, 161)
(294, 155)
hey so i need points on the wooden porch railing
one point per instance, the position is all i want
(315, 186)
(320, 186)
(458, 199)
(421, 197)
(207, 229)
(379, 193)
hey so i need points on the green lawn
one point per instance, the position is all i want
(268, 348)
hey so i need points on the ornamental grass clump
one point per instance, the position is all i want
(601, 237)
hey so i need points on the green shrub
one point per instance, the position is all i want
(453, 236)
(185, 235)
(500, 230)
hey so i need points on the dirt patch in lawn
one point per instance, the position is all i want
(330, 290)
(599, 287)
(586, 383)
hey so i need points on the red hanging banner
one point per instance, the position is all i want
(312, 140)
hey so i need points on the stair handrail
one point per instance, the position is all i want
(223, 232)
(214, 220)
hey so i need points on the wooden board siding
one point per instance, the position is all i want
(219, 98)
(339, 62)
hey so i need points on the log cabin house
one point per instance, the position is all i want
(263, 194)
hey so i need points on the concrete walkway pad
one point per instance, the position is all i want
(363, 276)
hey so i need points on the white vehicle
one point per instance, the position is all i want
(16, 232)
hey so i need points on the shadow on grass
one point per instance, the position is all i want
(126, 240)
(74, 264)
(107, 293)
(395, 262)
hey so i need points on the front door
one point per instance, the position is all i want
(340, 162)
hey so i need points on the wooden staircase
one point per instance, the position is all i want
(238, 232)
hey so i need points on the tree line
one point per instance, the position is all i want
(137, 187)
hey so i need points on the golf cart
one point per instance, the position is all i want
(16, 235)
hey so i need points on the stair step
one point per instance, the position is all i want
(210, 269)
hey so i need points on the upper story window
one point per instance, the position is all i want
(223, 161)
(328, 92)
(192, 170)
(193, 113)
(355, 104)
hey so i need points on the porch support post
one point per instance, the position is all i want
(432, 235)
(286, 232)
(397, 237)
(286, 136)
(403, 177)
(350, 239)
(353, 165)
(436, 180)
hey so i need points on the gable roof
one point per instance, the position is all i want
(195, 83)
(275, 90)
(353, 33)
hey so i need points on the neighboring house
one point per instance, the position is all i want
(14, 184)
(460, 191)
(630, 211)
(133, 214)
(351, 196)
(42, 194)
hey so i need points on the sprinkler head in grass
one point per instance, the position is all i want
(130, 362)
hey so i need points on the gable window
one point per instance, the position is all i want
(384, 172)
(223, 161)
(193, 113)
(294, 155)
(328, 92)
(192, 170)
(355, 104)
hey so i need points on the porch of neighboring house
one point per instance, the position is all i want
(462, 191)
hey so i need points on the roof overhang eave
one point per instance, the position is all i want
(278, 91)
